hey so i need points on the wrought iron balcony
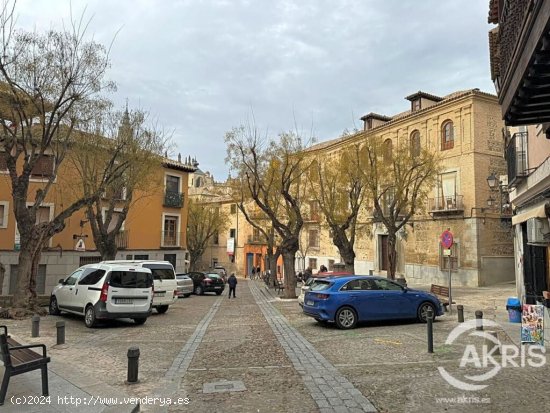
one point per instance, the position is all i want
(170, 239)
(122, 240)
(173, 199)
(516, 158)
(446, 204)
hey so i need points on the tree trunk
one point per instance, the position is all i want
(289, 258)
(345, 248)
(107, 248)
(392, 254)
(273, 258)
(25, 294)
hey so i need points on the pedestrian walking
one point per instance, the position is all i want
(253, 273)
(232, 282)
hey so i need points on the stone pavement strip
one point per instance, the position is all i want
(331, 390)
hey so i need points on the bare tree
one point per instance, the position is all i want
(273, 171)
(260, 221)
(206, 219)
(399, 178)
(49, 85)
(140, 148)
(338, 187)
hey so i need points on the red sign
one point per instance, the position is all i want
(447, 239)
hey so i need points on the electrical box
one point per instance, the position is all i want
(538, 231)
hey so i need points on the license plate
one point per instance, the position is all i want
(160, 294)
(123, 301)
(309, 302)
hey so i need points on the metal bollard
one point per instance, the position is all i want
(430, 320)
(133, 364)
(35, 328)
(479, 320)
(60, 326)
(460, 310)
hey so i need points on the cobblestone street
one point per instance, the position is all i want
(259, 353)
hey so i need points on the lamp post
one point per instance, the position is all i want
(495, 183)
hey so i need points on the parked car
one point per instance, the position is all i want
(185, 285)
(350, 299)
(164, 277)
(306, 286)
(105, 291)
(220, 271)
(206, 283)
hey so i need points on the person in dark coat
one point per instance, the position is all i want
(307, 273)
(232, 282)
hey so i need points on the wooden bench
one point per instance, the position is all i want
(442, 293)
(20, 359)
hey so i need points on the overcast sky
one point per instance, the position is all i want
(201, 67)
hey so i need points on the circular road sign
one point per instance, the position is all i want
(447, 239)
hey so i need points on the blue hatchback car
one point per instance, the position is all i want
(348, 300)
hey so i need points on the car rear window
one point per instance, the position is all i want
(320, 285)
(161, 272)
(130, 279)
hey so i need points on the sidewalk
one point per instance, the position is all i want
(70, 390)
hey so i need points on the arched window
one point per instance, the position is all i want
(387, 150)
(415, 144)
(447, 135)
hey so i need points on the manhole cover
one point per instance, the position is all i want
(223, 386)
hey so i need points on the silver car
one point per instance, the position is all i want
(185, 285)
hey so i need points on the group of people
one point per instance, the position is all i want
(256, 273)
(308, 273)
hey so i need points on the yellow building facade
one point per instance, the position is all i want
(466, 128)
(155, 227)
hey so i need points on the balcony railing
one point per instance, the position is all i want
(122, 240)
(169, 239)
(173, 199)
(255, 240)
(516, 158)
(450, 204)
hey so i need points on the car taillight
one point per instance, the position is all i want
(104, 292)
(322, 296)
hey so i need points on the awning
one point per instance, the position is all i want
(537, 212)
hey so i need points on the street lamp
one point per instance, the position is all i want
(504, 204)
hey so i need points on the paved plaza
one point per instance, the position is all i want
(259, 353)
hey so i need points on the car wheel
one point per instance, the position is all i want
(186, 295)
(423, 311)
(346, 318)
(89, 316)
(161, 309)
(199, 290)
(139, 321)
(54, 309)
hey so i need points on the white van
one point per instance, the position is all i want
(105, 291)
(164, 277)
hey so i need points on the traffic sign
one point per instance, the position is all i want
(447, 239)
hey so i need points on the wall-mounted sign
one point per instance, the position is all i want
(80, 246)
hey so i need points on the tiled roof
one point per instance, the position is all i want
(403, 115)
(376, 116)
(421, 94)
(184, 167)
